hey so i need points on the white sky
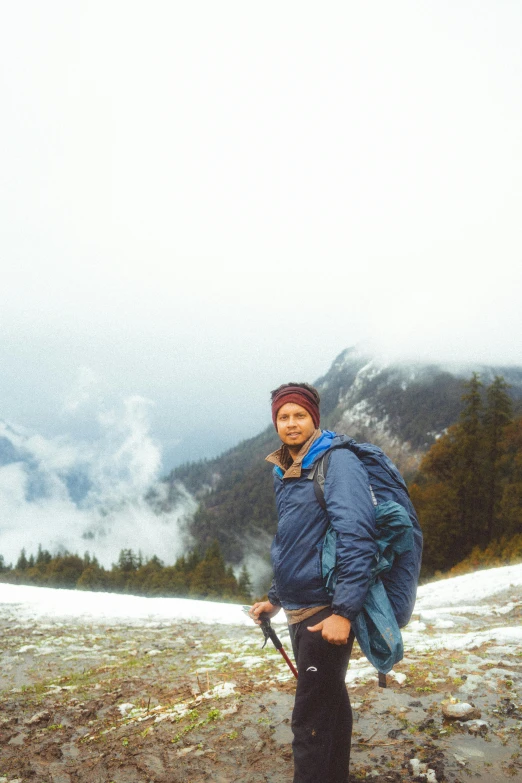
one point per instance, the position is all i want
(199, 201)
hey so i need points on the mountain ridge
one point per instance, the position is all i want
(403, 407)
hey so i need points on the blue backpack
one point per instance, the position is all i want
(391, 596)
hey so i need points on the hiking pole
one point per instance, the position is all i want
(269, 633)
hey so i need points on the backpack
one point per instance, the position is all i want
(391, 597)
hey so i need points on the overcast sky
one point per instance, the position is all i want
(201, 200)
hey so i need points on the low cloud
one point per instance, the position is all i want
(89, 496)
(86, 384)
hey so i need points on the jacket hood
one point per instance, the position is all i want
(325, 441)
(319, 446)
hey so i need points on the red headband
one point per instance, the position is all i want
(299, 396)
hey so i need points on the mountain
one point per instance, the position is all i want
(107, 496)
(401, 406)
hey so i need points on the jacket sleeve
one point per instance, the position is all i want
(272, 595)
(351, 514)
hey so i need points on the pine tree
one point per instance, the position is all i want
(244, 584)
(193, 559)
(43, 557)
(499, 413)
(127, 561)
(64, 571)
(94, 577)
(510, 511)
(469, 487)
(147, 579)
(470, 468)
(206, 577)
(211, 578)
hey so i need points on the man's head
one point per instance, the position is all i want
(295, 413)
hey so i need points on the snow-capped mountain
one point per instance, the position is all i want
(401, 406)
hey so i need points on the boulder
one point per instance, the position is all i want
(459, 710)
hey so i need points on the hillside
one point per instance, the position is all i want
(401, 407)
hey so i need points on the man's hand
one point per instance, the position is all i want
(263, 607)
(335, 629)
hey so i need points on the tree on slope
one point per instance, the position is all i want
(460, 489)
(470, 462)
(510, 506)
(498, 414)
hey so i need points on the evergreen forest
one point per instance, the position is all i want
(192, 576)
(467, 493)
(468, 490)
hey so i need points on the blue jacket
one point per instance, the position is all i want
(297, 546)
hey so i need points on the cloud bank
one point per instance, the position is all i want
(89, 496)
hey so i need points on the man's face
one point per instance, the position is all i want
(294, 425)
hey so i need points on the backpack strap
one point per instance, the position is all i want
(318, 476)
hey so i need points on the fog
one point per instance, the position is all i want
(88, 496)
(201, 201)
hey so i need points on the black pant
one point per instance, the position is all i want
(322, 716)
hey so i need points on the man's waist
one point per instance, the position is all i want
(294, 616)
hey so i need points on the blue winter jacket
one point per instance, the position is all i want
(297, 546)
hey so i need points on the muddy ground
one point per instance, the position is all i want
(188, 703)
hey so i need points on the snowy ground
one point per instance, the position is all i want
(130, 688)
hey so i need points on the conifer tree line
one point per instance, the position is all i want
(468, 491)
(192, 576)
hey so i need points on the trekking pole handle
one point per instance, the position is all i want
(266, 627)
(269, 633)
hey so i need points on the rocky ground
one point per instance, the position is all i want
(186, 703)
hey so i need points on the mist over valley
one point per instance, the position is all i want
(111, 494)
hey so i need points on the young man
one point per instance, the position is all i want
(319, 624)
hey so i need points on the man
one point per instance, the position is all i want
(319, 624)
